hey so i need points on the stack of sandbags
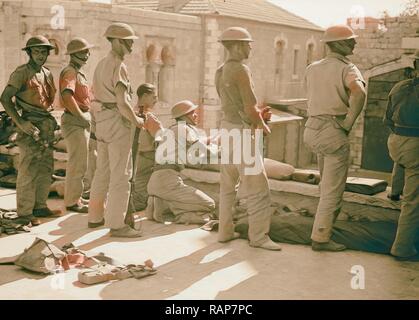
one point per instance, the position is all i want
(274, 169)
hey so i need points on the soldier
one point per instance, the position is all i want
(147, 98)
(166, 187)
(336, 95)
(402, 116)
(115, 121)
(234, 85)
(75, 122)
(32, 86)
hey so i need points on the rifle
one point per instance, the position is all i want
(129, 217)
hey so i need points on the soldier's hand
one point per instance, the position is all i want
(266, 114)
(266, 129)
(27, 127)
(152, 124)
(343, 124)
(139, 123)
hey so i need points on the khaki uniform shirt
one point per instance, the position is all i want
(327, 84)
(109, 72)
(75, 80)
(235, 90)
(402, 114)
(34, 88)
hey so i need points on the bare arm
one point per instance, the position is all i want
(7, 102)
(250, 102)
(124, 106)
(356, 103)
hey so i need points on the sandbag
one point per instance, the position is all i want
(278, 170)
(274, 169)
(365, 186)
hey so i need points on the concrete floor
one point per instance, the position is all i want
(193, 265)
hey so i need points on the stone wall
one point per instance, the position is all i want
(379, 43)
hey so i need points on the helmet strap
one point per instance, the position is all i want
(79, 60)
(340, 47)
(125, 47)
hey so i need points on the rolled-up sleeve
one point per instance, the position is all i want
(17, 80)
(352, 73)
(68, 81)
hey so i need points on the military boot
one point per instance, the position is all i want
(327, 246)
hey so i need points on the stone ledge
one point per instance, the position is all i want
(378, 200)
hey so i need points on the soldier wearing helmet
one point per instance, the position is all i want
(32, 87)
(166, 187)
(235, 87)
(75, 122)
(115, 122)
(336, 95)
(402, 117)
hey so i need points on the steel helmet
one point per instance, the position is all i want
(338, 32)
(236, 34)
(77, 45)
(119, 30)
(38, 41)
(183, 107)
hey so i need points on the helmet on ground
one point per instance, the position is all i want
(183, 107)
(38, 41)
(236, 34)
(119, 30)
(77, 45)
(338, 32)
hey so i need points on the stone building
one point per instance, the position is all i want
(178, 49)
(284, 45)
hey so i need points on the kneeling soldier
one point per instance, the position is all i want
(166, 186)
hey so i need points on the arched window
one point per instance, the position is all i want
(153, 65)
(279, 56)
(279, 65)
(310, 53)
(167, 74)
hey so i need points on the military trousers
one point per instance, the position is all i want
(110, 190)
(76, 134)
(144, 169)
(91, 164)
(36, 166)
(331, 144)
(405, 151)
(397, 180)
(180, 198)
(251, 189)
